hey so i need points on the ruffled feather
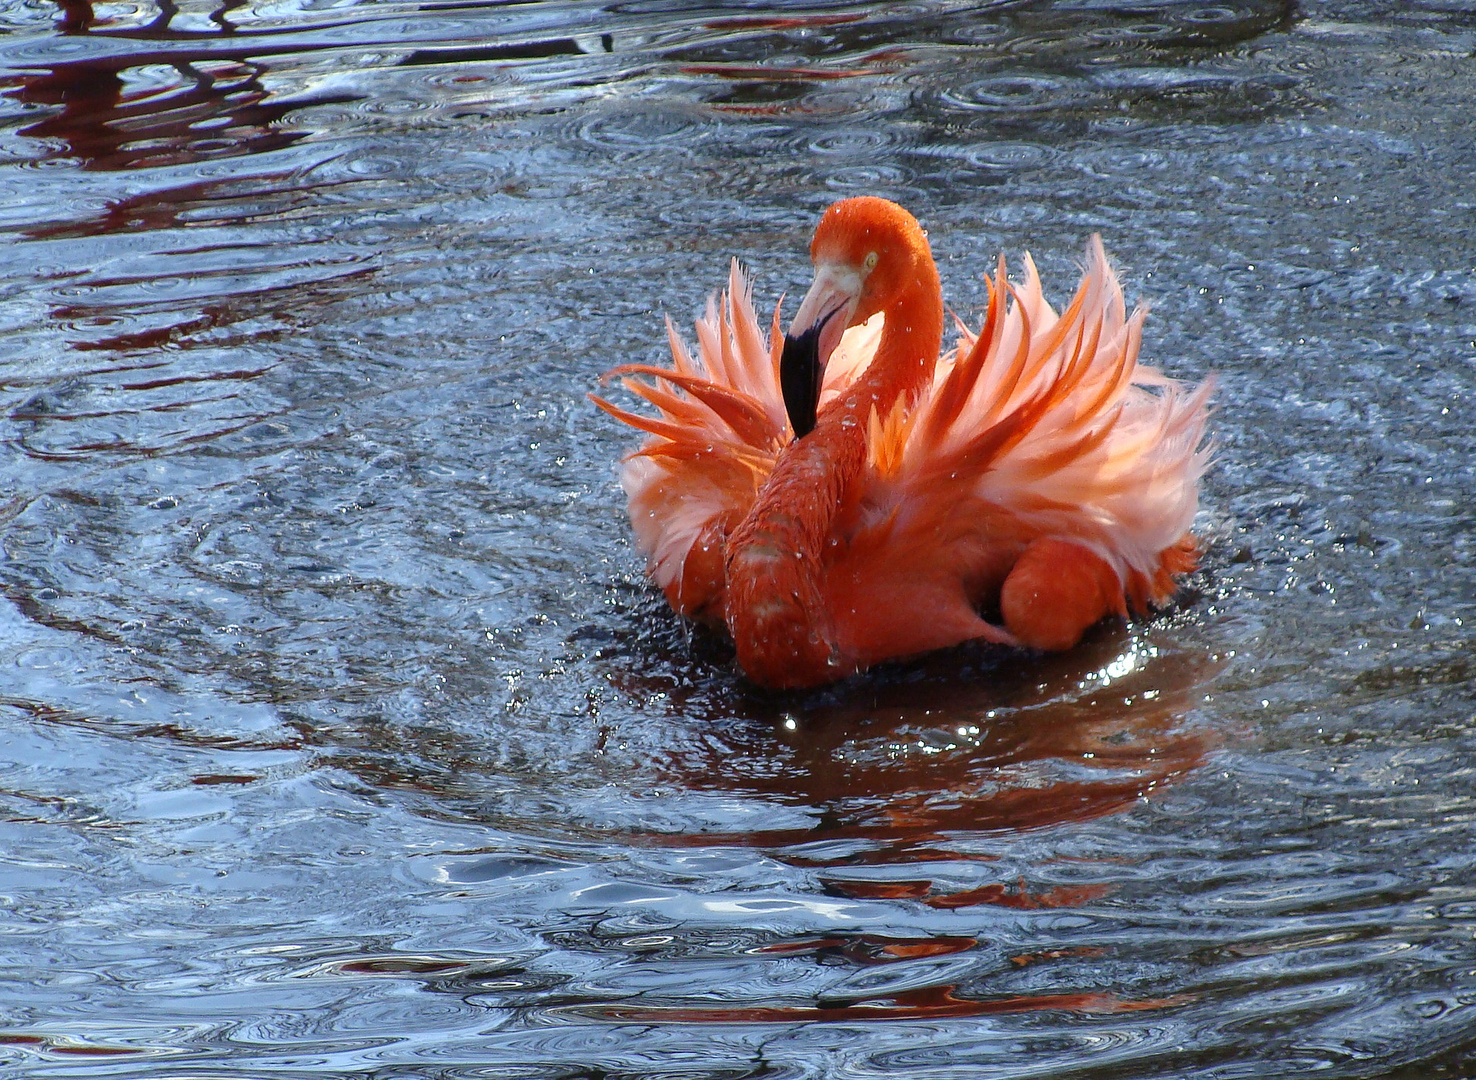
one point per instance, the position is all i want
(1035, 425)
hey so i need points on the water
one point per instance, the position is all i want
(342, 737)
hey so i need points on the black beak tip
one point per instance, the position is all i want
(799, 379)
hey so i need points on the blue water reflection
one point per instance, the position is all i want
(340, 734)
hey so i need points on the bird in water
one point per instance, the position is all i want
(842, 495)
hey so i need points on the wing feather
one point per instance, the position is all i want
(1046, 425)
(720, 424)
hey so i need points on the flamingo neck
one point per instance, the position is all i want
(775, 610)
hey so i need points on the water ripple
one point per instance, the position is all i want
(1014, 93)
(640, 130)
(851, 141)
(1009, 155)
(344, 736)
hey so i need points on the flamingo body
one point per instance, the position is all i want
(1037, 467)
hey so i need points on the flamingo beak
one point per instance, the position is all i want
(823, 316)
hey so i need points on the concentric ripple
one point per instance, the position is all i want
(341, 734)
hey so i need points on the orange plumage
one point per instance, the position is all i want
(1038, 467)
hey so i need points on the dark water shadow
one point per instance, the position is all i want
(216, 107)
(978, 740)
(923, 1004)
(909, 774)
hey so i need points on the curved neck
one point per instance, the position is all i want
(775, 558)
(906, 354)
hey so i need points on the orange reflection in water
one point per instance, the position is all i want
(868, 949)
(900, 769)
(217, 107)
(998, 894)
(925, 1003)
(1045, 742)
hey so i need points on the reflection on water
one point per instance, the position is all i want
(932, 1003)
(958, 745)
(218, 108)
(170, 96)
(341, 735)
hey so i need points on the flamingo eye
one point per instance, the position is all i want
(871, 261)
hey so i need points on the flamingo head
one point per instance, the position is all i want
(868, 253)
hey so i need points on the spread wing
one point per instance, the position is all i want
(1040, 425)
(720, 423)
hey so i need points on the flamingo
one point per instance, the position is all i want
(842, 495)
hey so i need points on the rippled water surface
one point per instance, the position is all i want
(341, 736)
